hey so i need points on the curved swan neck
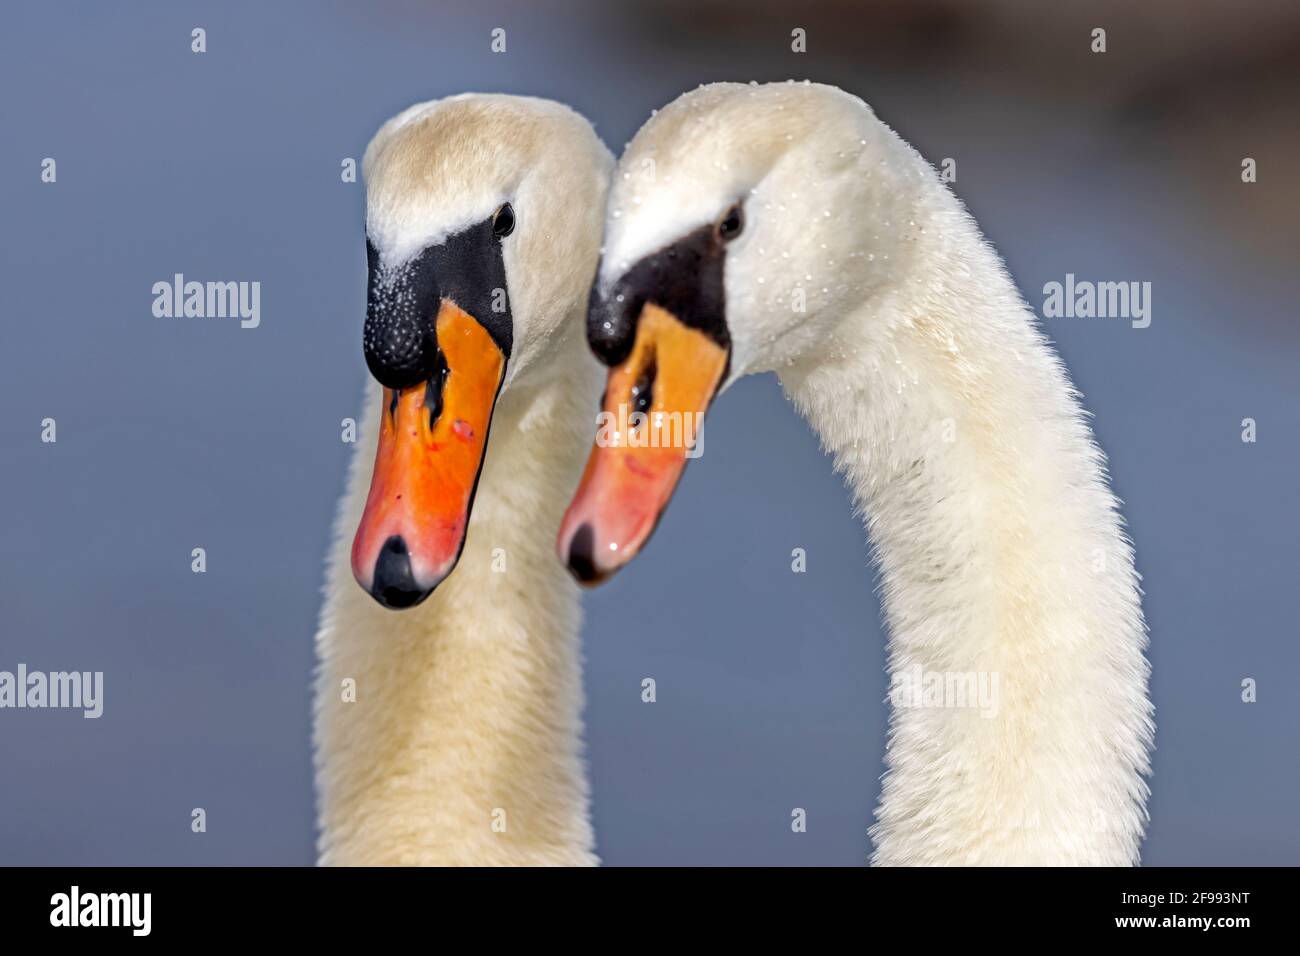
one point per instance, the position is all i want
(463, 744)
(1020, 726)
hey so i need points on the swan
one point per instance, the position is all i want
(784, 228)
(449, 733)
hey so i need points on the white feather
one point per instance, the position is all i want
(463, 745)
(1000, 546)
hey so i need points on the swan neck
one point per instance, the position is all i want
(463, 743)
(1020, 726)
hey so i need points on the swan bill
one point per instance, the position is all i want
(649, 427)
(432, 439)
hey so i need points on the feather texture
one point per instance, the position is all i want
(463, 743)
(897, 332)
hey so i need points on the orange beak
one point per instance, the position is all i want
(431, 444)
(654, 406)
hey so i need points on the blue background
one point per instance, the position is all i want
(174, 435)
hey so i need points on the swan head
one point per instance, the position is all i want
(483, 221)
(744, 223)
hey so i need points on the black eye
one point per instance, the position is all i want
(503, 222)
(731, 224)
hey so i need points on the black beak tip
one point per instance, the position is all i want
(394, 584)
(398, 599)
(581, 563)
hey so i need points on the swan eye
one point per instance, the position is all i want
(503, 221)
(731, 224)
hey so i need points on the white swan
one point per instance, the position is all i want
(783, 227)
(450, 733)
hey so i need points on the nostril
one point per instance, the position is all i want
(434, 386)
(581, 549)
(394, 584)
(643, 390)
